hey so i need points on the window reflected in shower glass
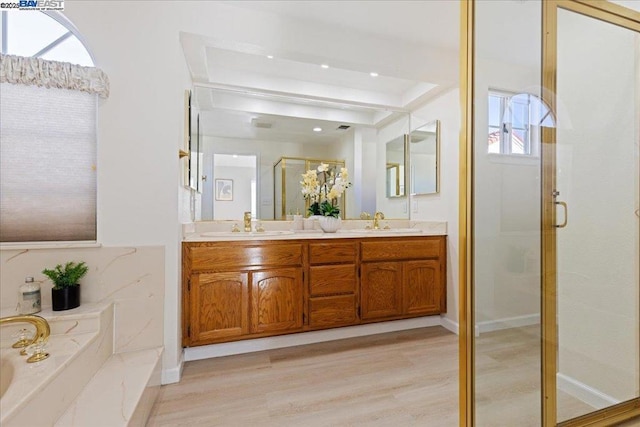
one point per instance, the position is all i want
(514, 122)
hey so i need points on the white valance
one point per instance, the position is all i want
(53, 74)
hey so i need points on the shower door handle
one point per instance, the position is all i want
(566, 215)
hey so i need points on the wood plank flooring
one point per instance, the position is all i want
(407, 378)
(399, 379)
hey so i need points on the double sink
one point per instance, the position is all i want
(272, 233)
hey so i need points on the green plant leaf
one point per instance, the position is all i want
(67, 276)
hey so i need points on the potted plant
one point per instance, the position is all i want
(323, 188)
(65, 293)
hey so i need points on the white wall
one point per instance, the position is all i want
(140, 129)
(241, 203)
(344, 149)
(443, 206)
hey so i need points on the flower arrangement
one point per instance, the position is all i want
(323, 187)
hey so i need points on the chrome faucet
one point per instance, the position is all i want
(42, 335)
(376, 220)
(247, 222)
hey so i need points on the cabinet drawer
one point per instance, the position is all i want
(232, 256)
(332, 279)
(325, 253)
(405, 249)
(332, 311)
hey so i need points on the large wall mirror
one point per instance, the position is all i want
(244, 137)
(424, 154)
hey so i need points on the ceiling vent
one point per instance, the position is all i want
(262, 124)
(343, 127)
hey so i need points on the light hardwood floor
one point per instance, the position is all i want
(399, 379)
(407, 378)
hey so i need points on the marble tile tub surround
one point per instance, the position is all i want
(192, 231)
(132, 278)
(80, 343)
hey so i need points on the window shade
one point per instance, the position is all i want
(47, 164)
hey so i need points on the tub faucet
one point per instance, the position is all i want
(247, 222)
(42, 334)
(376, 220)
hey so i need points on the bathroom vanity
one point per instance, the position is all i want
(249, 288)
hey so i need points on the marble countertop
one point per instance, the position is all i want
(282, 230)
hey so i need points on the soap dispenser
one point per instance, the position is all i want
(30, 298)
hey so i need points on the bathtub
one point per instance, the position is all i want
(37, 394)
(6, 375)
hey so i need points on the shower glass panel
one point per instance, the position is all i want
(506, 218)
(597, 170)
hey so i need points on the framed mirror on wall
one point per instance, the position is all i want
(424, 159)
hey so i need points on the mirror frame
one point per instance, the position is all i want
(438, 149)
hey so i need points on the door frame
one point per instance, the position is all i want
(598, 9)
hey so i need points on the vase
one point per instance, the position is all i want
(65, 298)
(330, 224)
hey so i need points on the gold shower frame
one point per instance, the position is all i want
(598, 9)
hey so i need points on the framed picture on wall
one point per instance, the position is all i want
(224, 189)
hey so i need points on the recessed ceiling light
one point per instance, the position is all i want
(324, 66)
(270, 56)
(317, 129)
(373, 74)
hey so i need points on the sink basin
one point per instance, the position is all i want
(245, 234)
(384, 231)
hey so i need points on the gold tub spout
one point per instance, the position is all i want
(42, 333)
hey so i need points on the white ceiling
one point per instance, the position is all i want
(412, 45)
(241, 125)
(431, 22)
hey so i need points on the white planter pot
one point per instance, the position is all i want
(330, 224)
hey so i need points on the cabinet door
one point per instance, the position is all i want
(381, 290)
(422, 287)
(219, 306)
(276, 300)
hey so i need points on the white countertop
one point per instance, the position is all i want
(211, 231)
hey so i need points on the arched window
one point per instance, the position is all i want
(48, 143)
(46, 35)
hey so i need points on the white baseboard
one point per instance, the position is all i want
(450, 325)
(584, 392)
(508, 323)
(172, 375)
(270, 343)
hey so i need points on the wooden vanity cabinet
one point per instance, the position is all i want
(333, 284)
(250, 289)
(235, 290)
(403, 278)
